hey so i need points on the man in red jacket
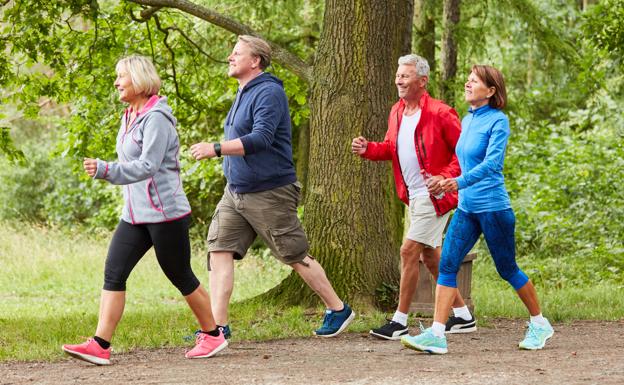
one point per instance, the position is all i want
(420, 141)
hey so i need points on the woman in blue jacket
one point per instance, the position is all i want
(484, 208)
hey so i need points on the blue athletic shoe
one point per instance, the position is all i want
(227, 333)
(426, 342)
(224, 329)
(335, 322)
(536, 336)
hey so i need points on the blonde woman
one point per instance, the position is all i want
(156, 211)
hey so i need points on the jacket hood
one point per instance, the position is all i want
(157, 104)
(263, 78)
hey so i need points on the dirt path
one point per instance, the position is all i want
(579, 353)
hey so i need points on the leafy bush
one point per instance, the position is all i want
(565, 188)
(51, 190)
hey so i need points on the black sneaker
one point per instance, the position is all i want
(227, 333)
(460, 325)
(390, 331)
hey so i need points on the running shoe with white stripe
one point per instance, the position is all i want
(390, 331)
(460, 325)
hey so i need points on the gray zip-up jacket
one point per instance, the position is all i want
(148, 166)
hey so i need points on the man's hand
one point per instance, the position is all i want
(433, 184)
(90, 166)
(358, 145)
(203, 150)
(448, 185)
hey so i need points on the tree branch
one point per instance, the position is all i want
(147, 13)
(281, 55)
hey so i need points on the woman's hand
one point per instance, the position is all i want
(90, 166)
(358, 145)
(448, 185)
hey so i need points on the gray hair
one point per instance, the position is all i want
(422, 67)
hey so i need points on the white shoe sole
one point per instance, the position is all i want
(459, 329)
(223, 345)
(383, 337)
(537, 347)
(87, 357)
(342, 327)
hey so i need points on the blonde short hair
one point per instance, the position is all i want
(259, 48)
(144, 77)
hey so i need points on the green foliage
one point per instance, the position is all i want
(47, 190)
(7, 147)
(605, 28)
(569, 206)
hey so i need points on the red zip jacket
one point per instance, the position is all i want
(436, 135)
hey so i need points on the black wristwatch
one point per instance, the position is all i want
(217, 148)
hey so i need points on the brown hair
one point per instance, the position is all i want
(492, 78)
(259, 48)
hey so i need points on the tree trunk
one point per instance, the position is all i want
(424, 31)
(353, 217)
(450, 19)
(303, 154)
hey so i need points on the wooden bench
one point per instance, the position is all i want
(424, 299)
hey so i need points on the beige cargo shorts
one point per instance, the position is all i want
(271, 214)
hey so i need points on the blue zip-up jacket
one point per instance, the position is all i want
(481, 153)
(260, 118)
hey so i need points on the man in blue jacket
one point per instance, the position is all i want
(262, 191)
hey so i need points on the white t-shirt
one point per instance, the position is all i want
(408, 159)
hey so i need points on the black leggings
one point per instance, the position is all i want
(171, 244)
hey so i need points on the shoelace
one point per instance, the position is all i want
(532, 332)
(421, 327)
(192, 336)
(329, 317)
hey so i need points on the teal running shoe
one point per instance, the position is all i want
(536, 336)
(426, 342)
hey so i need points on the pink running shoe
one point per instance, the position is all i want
(89, 351)
(207, 345)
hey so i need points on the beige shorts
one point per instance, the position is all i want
(271, 214)
(426, 226)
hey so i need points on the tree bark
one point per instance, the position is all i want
(352, 214)
(450, 19)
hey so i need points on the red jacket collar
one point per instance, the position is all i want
(422, 103)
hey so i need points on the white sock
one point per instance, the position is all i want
(438, 329)
(400, 318)
(462, 312)
(540, 320)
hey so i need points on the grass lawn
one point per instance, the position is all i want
(51, 280)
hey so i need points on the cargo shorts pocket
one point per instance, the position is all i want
(213, 230)
(290, 244)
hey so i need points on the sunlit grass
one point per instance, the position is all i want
(51, 280)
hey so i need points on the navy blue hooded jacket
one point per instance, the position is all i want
(260, 118)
